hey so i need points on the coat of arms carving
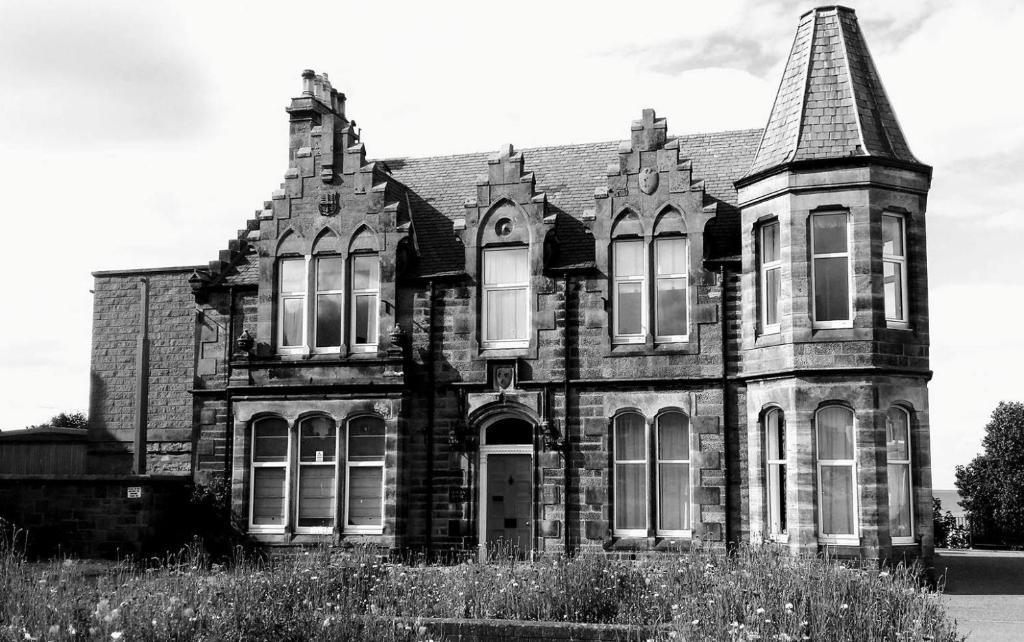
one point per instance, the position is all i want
(328, 202)
(648, 180)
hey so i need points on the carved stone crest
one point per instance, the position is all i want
(648, 180)
(383, 409)
(504, 376)
(328, 202)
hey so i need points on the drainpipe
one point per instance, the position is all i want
(431, 404)
(725, 390)
(566, 440)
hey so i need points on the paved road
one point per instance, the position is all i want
(984, 592)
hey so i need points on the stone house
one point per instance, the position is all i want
(624, 346)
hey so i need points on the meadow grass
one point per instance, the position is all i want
(752, 593)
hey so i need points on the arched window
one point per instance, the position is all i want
(837, 473)
(630, 452)
(901, 496)
(672, 449)
(269, 461)
(317, 470)
(775, 470)
(364, 475)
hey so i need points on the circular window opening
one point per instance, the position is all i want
(503, 227)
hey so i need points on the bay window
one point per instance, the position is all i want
(775, 471)
(269, 461)
(901, 505)
(506, 297)
(894, 269)
(837, 473)
(317, 474)
(830, 269)
(770, 277)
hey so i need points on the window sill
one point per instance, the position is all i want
(645, 349)
(896, 325)
(504, 352)
(839, 540)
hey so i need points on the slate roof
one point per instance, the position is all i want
(831, 103)
(568, 175)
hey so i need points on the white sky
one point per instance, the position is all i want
(141, 134)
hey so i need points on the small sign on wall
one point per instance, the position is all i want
(319, 456)
(134, 492)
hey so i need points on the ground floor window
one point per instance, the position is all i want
(775, 471)
(667, 504)
(837, 473)
(297, 476)
(897, 442)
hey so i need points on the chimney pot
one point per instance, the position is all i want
(307, 82)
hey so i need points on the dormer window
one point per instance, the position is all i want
(506, 290)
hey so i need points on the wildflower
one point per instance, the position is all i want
(760, 610)
(54, 630)
(789, 606)
(116, 635)
(843, 607)
(695, 622)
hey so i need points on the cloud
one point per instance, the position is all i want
(717, 50)
(79, 74)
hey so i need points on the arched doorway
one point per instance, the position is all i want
(506, 483)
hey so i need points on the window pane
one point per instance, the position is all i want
(772, 293)
(671, 256)
(328, 273)
(328, 320)
(831, 289)
(270, 440)
(776, 436)
(365, 272)
(835, 433)
(293, 275)
(629, 258)
(899, 500)
(630, 308)
(777, 498)
(673, 497)
(505, 267)
(291, 321)
(366, 439)
(892, 235)
(365, 325)
(365, 487)
(630, 496)
(837, 500)
(268, 496)
(629, 437)
(893, 281)
(770, 243)
(506, 315)
(317, 440)
(897, 435)
(829, 233)
(673, 436)
(316, 496)
(671, 307)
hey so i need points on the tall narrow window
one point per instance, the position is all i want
(831, 269)
(365, 301)
(268, 498)
(670, 289)
(291, 303)
(506, 297)
(673, 474)
(630, 452)
(364, 478)
(771, 277)
(318, 439)
(837, 475)
(894, 268)
(775, 470)
(329, 282)
(901, 505)
(629, 307)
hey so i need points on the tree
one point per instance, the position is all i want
(990, 486)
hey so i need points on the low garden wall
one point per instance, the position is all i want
(456, 630)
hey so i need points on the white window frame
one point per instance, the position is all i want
(658, 461)
(299, 465)
(355, 294)
(497, 344)
(901, 262)
(848, 254)
(840, 538)
(641, 280)
(285, 465)
(303, 346)
(616, 503)
(910, 479)
(349, 465)
(775, 496)
(314, 272)
(765, 268)
(658, 242)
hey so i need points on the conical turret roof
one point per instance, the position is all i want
(831, 103)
